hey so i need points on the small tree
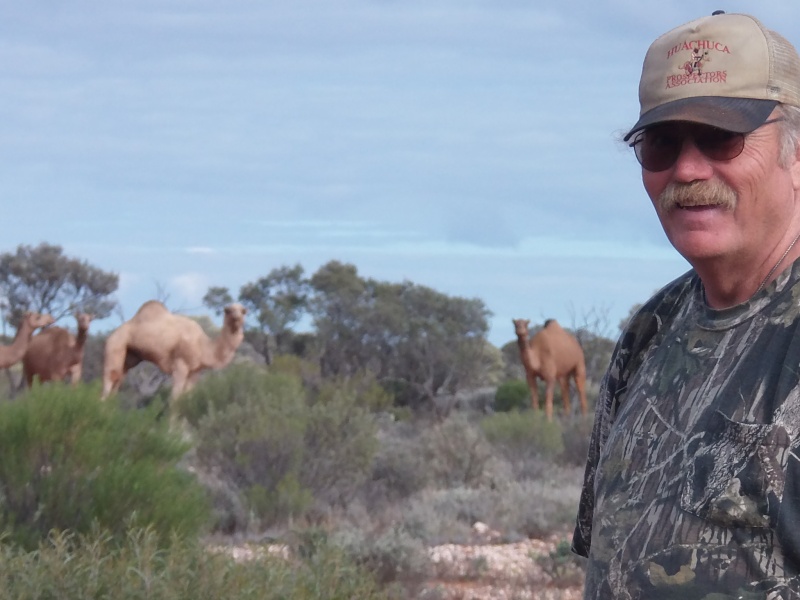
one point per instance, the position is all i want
(43, 279)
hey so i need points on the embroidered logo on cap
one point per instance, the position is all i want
(693, 70)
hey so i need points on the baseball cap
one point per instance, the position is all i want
(724, 70)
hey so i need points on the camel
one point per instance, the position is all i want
(176, 344)
(13, 353)
(55, 354)
(552, 354)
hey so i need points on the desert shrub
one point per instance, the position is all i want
(391, 556)
(456, 452)
(339, 446)
(363, 388)
(523, 436)
(512, 395)
(517, 509)
(257, 430)
(565, 568)
(70, 461)
(76, 567)
(398, 470)
(576, 435)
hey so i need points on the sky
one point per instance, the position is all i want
(468, 146)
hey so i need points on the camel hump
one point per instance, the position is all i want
(151, 308)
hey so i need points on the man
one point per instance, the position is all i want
(692, 485)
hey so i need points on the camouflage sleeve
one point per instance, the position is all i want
(582, 537)
(639, 335)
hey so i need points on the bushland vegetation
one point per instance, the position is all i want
(392, 426)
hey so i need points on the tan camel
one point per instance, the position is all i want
(174, 343)
(552, 354)
(55, 354)
(13, 353)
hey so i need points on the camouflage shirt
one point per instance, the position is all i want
(692, 485)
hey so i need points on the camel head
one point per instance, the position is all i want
(521, 327)
(36, 320)
(83, 319)
(234, 317)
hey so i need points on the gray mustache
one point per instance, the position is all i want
(697, 193)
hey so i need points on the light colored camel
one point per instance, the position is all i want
(55, 354)
(13, 353)
(174, 343)
(552, 354)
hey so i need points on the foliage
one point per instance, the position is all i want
(456, 452)
(523, 435)
(512, 395)
(565, 568)
(217, 298)
(260, 432)
(274, 302)
(576, 435)
(421, 342)
(519, 509)
(43, 279)
(70, 462)
(80, 567)
(391, 555)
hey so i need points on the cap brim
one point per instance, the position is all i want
(741, 115)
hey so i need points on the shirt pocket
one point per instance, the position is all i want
(737, 475)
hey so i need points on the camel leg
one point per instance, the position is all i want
(180, 377)
(564, 383)
(75, 373)
(548, 398)
(580, 383)
(534, 390)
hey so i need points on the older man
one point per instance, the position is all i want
(692, 486)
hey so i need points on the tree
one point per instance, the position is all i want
(43, 279)
(337, 305)
(274, 302)
(416, 340)
(278, 301)
(217, 298)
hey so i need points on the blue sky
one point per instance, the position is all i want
(467, 146)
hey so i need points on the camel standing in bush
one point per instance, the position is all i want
(174, 343)
(55, 354)
(13, 353)
(552, 354)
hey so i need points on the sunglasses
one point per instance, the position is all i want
(657, 148)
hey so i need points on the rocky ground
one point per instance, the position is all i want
(521, 571)
(528, 570)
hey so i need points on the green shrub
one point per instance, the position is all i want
(393, 555)
(76, 567)
(258, 431)
(576, 436)
(71, 461)
(522, 435)
(339, 446)
(456, 453)
(513, 394)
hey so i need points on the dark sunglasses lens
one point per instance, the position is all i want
(718, 144)
(657, 150)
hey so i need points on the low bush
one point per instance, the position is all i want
(456, 453)
(576, 435)
(79, 567)
(513, 394)
(524, 438)
(259, 432)
(519, 510)
(73, 462)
